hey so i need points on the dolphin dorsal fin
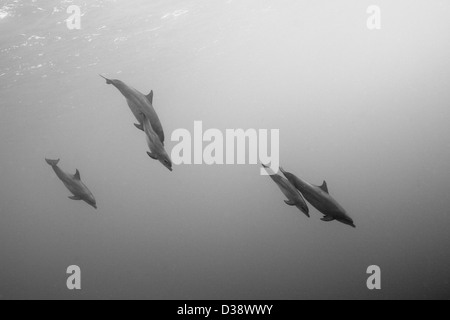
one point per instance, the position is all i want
(77, 175)
(324, 187)
(150, 97)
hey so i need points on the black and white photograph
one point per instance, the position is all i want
(224, 155)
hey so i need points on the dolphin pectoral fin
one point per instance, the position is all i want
(77, 175)
(139, 126)
(150, 97)
(290, 203)
(327, 219)
(75, 198)
(152, 156)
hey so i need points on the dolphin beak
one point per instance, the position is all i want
(351, 224)
(108, 81)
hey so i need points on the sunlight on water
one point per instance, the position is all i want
(3, 14)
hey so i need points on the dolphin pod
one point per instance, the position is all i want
(74, 184)
(295, 189)
(295, 199)
(319, 198)
(148, 121)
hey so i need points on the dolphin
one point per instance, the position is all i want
(74, 184)
(294, 197)
(140, 105)
(320, 198)
(157, 151)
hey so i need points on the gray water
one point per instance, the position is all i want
(367, 111)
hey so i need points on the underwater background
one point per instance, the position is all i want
(366, 110)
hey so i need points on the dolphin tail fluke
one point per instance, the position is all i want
(53, 163)
(107, 80)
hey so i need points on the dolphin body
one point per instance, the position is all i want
(141, 106)
(74, 184)
(157, 151)
(294, 197)
(320, 199)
